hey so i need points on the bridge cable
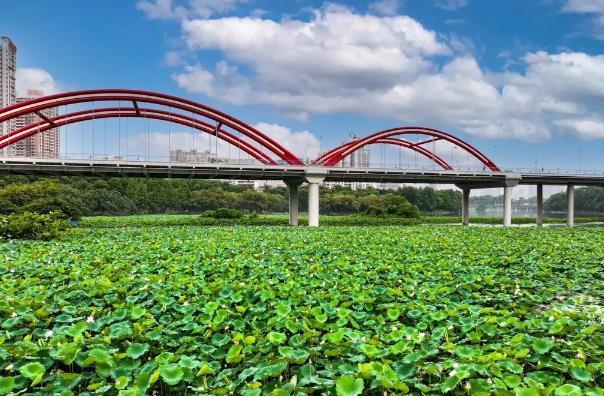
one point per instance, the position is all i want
(93, 111)
(119, 130)
(416, 159)
(82, 139)
(105, 138)
(127, 135)
(147, 141)
(169, 132)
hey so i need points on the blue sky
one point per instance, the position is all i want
(521, 80)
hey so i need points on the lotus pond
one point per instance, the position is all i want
(340, 310)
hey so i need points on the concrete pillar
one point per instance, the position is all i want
(465, 207)
(294, 188)
(313, 204)
(507, 206)
(314, 182)
(570, 197)
(539, 205)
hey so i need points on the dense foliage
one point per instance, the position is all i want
(209, 219)
(126, 196)
(250, 310)
(28, 225)
(587, 199)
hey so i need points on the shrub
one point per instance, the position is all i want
(30, 225)
(224, 213)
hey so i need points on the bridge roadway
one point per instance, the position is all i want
(294, 176)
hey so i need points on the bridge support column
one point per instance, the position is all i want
(465, 207)
(539, 205)
(293, 186)
(314, 182)
(570, 197)
(507, 206)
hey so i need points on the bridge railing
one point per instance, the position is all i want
(555, 171)
(126, 157)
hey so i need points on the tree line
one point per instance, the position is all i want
(80, 196)
(587, 200)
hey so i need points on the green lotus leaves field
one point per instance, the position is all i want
(278, 311)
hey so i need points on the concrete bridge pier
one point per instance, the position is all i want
(293, 186)
(539, 205)
(507, 206)
(314, 180)
(465, 206)
(570, 198)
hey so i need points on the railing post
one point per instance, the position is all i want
(539, 205)
(570, 197)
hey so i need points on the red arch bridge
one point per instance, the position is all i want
(267, 159)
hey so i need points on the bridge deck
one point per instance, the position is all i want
(475, 179)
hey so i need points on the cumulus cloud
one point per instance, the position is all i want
(37, 79)
(595, 8)
(175, 9)
(385, 7)
(341, 61)
(451, 5)
(304, 144)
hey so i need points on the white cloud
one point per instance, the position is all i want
(385, 7)
(175, 9)
(304, 144)
(173, 59)
(36, 79)
(585, 128)
(593, 7)
(451, 5)
(340, 61)
(584, 6)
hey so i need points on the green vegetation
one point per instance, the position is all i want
(587, 199)
(30, 225)
(274, 310)
(78, 196)
(209, 219)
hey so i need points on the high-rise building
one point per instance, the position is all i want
(360, 158)
(41, 145)
(8, 78)
(192, 156)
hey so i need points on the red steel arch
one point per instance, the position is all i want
(402, 143)
(117, 112)
(336, 155)
(135, 97)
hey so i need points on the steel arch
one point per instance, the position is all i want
(136, 96)
(402, 143)
(117, 112)
(334, 156)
